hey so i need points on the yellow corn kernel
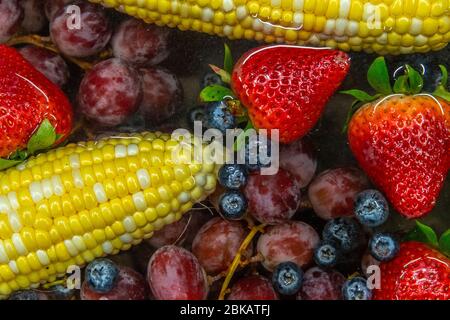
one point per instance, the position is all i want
(78, 215)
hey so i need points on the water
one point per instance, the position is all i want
(193, 52)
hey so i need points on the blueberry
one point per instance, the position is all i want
(383, 246)
(371, 208)
(233, 205)
(25, 295)
(60, 292)
(257, 153)
(345, 233)
(233, 176)
(356, 289)
(196, 114)
(326, 255)
(210, 79)
(101, 275)
(218, 116)
(287, 278)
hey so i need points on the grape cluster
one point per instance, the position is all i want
(129, 85)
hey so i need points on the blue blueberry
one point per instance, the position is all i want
(326, 255)
(371, 208)
(383, 246)
(356, 289)
(210, 79)
(60, 292)
(25, 295)
(287, 278)
(218, 116)
(257, 153)
(101, 275)
(345, 233)
(233, 176)
(233, 205)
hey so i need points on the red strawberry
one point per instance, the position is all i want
(27, 98)
(416, 273)
(286, 87)
(402, 141)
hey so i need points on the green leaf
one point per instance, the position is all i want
(401, 84)
(444, 77)
(378, 76)
(415, 80)
(215, 93)
(43, 138)
(423, 233)
(240, 139)
(19, 155)
(228, 59)
(355, 106)
(360, 95)
(444, 243)
(5, 163)
(441, 90)
(224, 75)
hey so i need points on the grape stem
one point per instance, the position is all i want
(46, 43)
(237, 259)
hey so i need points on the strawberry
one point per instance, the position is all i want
(286, 87)
(418, 272)
(29, 100)
(401, 138)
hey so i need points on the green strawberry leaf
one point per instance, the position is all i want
(401, 85)
(444, 243)
(378, 76)
(240, 139)
(224, 75)
(351, 111)
(441, 90)
(228, 60)
(360, 95)
(415, 80)
(19, 155)
(423, 233)
(215, 93)
(43, 138)
(6, 163)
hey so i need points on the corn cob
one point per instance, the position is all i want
(82, 201)
(381, 26)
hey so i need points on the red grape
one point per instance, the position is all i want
(110, 92)
(175, 274)
(34, 16)
(253, 288)
(170, 234)
(162, 94)
(298, 159)
(217, 243)
(11, 15)
(49, 63)
(272, 199)
(332, 193)
(293, 241)
(51, 7)
(130, 285)
(140, 43)
(83, 40)
(320, 284)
